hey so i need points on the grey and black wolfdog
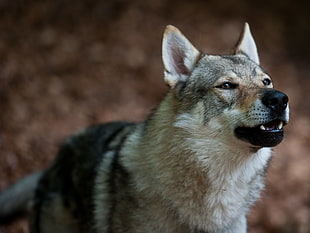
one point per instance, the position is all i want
(196, 165)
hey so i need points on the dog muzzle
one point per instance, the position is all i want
(270, 133)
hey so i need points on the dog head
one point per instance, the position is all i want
(231, 94)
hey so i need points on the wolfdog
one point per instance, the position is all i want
(196, 165)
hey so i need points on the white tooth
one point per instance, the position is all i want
(262, 127)
(280, 126)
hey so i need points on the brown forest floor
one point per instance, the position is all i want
(67, 64)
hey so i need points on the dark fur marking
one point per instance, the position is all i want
(201, 231)
(115, 166)
(41, 197)
(76, 163)
(235, 60)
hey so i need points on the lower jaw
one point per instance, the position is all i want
(258, 137)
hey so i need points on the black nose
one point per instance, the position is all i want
(275, 100)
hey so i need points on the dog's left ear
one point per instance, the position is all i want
(179, 56)
(246, 44)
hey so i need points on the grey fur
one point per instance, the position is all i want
(17, 198)
(191, 167)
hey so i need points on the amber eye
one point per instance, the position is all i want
(227, 85)
(266, 81)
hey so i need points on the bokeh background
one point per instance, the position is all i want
(66, 64)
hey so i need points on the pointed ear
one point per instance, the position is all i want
(179, 56)
(246, 44)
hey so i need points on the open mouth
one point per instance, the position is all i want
(272, 126)
(265, 135)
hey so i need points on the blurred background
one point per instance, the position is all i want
(66, 64)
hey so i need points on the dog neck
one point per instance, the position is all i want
(186, 166)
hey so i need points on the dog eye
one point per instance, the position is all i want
(227, 85)
(266, 81)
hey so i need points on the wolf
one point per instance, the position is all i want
(196, 165)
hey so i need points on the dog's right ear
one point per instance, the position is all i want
(179, 56)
